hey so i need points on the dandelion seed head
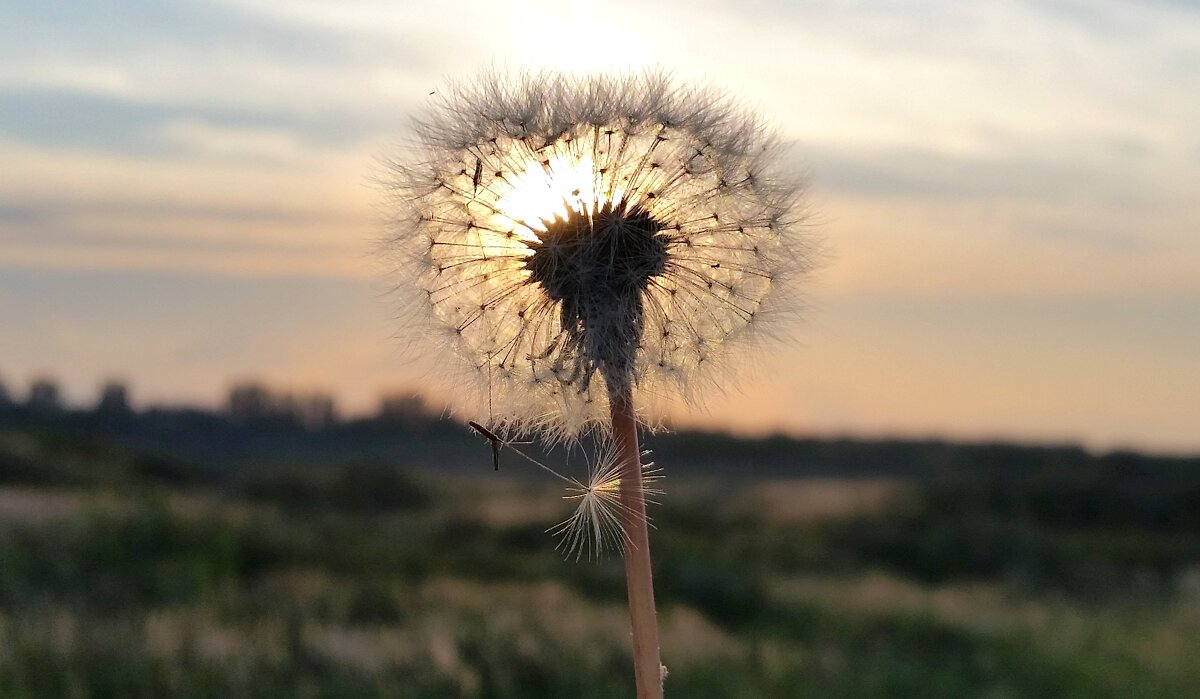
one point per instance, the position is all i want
(557, 230)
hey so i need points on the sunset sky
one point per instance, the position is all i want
(1008, 193)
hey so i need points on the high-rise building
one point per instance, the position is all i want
(314, 411)
(114, 400)
(44, 397)
(404, 407)
(250, 401)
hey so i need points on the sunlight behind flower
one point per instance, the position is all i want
(572, 239)
(539, 194)
(561, 228)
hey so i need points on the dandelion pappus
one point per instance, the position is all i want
(629, 229)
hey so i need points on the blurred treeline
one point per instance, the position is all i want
(405, 567)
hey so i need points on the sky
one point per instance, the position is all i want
(1008, 195)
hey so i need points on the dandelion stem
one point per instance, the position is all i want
(647, 666)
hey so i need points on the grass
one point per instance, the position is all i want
(118, 580)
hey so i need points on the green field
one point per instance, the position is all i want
(125, 575)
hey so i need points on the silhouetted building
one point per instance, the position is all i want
(315, 411)
(406, 407)
(249, 402)
(44, 397)
(114, 400)
(5, 399)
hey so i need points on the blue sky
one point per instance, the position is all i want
(1009, 194)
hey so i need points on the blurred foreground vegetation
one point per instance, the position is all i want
(125, 574)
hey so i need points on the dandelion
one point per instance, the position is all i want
(573, 240)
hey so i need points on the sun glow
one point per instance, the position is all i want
(548, 190)
(623, 230)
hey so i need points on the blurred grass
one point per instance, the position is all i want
(128, 576)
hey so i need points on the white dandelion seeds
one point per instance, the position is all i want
(598, 523)
(558, 230)
(600, 520)
(561, 228)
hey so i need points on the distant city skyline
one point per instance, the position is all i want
(249, 400)
(1008, 195)
(244, 398)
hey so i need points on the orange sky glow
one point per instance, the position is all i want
(1008, 197)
